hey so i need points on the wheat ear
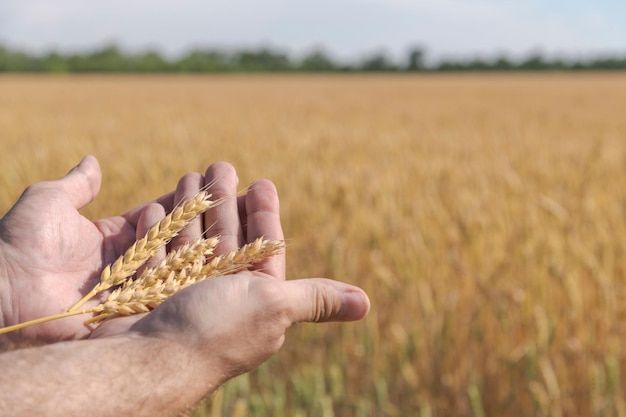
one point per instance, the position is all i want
(177, 260)
(242, 258)
(149, 290)
(180, 269)
(143, 249)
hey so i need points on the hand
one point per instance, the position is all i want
(231, 324)
(51, 255)
(202, 336)
(237, 220)
(234, 323)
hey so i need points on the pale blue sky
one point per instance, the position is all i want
(346, 28)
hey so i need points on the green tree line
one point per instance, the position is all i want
(111, 58)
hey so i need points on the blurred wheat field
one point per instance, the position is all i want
(485, 215)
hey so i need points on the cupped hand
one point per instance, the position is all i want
(233, 323)
(51, 255)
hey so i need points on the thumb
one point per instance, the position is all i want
(82, 183)
(320, 300)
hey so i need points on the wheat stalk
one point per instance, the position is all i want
(143, 249)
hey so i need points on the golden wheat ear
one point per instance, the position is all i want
(180, 270)
(143, 249)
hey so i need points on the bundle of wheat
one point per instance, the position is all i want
(181, 268)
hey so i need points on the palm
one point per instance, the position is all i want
(71, 251)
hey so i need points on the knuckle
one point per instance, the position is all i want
(325, 307)
(271, 294)
(191, 179)
(41, 187)
(275, 303)
(264, 196)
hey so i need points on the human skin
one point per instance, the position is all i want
(155, 364)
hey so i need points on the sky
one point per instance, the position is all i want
(346, 29)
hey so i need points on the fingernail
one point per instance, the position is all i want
(354, 306)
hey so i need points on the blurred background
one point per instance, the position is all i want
(322, 35)
(462, 161)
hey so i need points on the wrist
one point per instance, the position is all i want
(195, 358)
(198, 361)
(193, 374)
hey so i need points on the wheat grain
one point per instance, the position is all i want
(177, 260)
(143, 249)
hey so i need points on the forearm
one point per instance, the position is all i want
(124, 375)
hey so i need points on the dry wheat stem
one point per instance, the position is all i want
(143, 249)
(18, 326)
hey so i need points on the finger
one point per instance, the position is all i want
(223, 220)
(132, 216)
(82, 183)
(263, 220)
(150, 215)
(241, 209)
(188, 186)
(320, 300)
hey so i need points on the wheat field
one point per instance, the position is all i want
(485, 215)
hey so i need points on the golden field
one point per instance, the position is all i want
(485, 215)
